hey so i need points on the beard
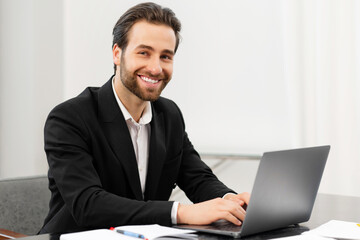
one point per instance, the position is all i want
(130, 81)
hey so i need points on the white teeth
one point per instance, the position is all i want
(149, 80)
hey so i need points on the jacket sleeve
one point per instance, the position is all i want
(76, 185)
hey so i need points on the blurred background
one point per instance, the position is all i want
(250, 76)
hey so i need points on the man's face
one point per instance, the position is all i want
(146, 65)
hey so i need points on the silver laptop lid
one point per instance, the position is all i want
(285, 188)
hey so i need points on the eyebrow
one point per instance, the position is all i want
(152, 49)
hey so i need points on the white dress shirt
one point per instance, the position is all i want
(140, 136)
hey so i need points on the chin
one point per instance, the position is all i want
(152, 98)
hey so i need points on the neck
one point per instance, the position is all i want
(134, 105)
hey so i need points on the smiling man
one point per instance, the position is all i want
(115, 153)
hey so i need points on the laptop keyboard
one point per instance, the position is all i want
(224, 226)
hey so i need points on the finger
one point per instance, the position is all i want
(237, 200)
(231, 218)
(245, 196)
(240, 213)
(236, 210)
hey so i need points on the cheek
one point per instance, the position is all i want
(131, 64)
(168, 68)
(131, 68)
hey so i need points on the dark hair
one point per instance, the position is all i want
(152, 13)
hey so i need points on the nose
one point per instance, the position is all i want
(154, 66)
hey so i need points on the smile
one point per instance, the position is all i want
(149, 80)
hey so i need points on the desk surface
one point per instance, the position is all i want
(327, 207)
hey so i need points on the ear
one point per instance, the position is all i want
(116, 54)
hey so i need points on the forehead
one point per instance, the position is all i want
(159, 36)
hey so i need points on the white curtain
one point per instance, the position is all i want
(322, 69)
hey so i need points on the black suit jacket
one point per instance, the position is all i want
(93, 174)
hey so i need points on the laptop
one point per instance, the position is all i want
(283, 194)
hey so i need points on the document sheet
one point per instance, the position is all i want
(333, 229)
(149, 232)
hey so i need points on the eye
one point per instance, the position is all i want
(143, 53)
(166, 57)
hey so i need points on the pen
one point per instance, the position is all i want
(131, 234)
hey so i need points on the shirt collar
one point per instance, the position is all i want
(146, 115)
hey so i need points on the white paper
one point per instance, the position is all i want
(304, 237)
(149, 231)
(95, 235)
(337, 229)
(155, 231)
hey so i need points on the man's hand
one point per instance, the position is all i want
(228, 208)
(242, 198)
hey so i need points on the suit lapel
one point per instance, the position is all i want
(117, 133)
(157, 155)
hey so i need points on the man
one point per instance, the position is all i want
(115, 153)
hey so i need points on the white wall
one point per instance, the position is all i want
(322, 67)
(246, 76)
(31, 74)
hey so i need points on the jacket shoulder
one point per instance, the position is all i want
(170, 110)
(84, 102)
(166, 105)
